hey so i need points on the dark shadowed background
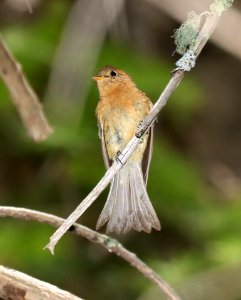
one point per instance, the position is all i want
(195, 175)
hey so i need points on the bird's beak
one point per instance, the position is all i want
(97, 78)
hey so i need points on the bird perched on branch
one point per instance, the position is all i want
(121, 109)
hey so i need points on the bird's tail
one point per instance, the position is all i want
(128, 205)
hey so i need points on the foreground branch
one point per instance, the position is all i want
(210, 22)
(23, 96)
(108, 243)
(19, 286)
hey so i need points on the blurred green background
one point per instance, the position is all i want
(195, 176)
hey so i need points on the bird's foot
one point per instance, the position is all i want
(118, 157)
(139, 124)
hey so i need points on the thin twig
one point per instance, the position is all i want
(16, 285)
(23, 96)
(206, 284)
(202, 38)
(110, 244)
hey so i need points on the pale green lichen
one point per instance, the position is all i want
(110, 243)
(185, 35)
(219, 6)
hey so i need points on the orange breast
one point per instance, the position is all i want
(119, 115)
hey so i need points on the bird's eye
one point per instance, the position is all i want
(113, 73)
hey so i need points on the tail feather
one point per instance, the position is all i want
(135, 216)
(109, 205)
(148, 212)
(128, 205)
(117, 219)
(143, 207)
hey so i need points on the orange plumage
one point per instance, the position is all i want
(121, 108)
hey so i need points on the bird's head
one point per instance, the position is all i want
(109, 78)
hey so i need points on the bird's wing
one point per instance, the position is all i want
(147, 155)
(107, 161)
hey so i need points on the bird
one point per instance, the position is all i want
(120, 111)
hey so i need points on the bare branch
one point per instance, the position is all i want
(211, 20)
(17, 285)
(219, 282)
(23, 96)
(110, 244)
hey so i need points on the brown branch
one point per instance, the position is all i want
(210, 23)
(110, 244)
(23, 96)
(220, 282)
(19, 286)
(75, 58)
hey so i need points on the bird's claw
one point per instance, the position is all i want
(118, 154)
(139, 124)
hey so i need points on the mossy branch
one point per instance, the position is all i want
(206, 29)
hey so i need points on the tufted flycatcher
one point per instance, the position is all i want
(121, 108)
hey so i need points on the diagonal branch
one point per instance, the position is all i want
(209, 24)
(105, 241)
(23, 96)
(16, 285)
(117, 165)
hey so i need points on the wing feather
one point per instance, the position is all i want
(107, 161)
(147, 155)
